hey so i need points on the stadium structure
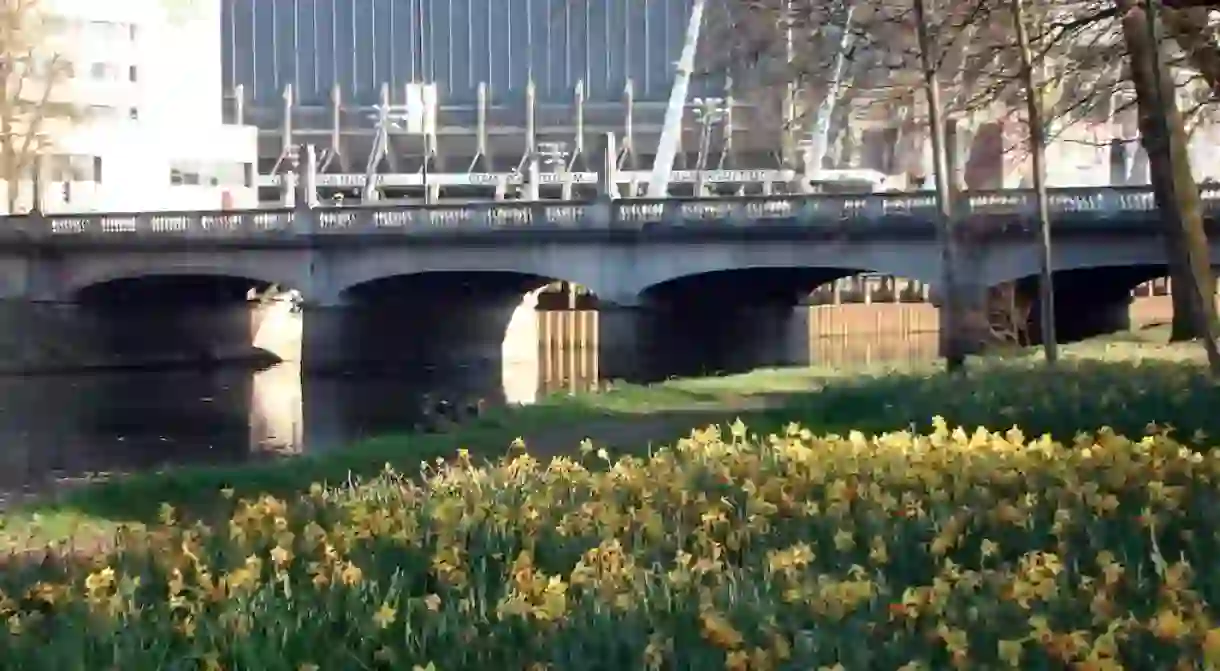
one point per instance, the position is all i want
(466, 98)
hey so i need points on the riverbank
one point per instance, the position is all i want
(944, 547)
(1126, 382)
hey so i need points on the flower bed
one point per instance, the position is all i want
(949, 550)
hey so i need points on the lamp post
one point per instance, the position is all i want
(1037, 148)
(554, 156)
(708, 113)
(385, 117)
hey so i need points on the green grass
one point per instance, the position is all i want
(1123, 383)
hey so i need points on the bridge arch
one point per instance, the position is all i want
(177, 318)
(1093, 284)
(76, 275)
(520, 270)
(1010, 262)
(746, 309)
(469, 331)
(1088, 301)
(785, 264)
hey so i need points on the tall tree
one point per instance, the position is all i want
(1080, 42)
(1164, 137)
(30, 111)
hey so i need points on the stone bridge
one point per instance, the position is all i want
(416, 286)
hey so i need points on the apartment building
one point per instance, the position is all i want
(142, 81)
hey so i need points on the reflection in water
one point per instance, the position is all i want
(67, 426)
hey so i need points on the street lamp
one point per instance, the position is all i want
(709, 112)
(554, 156)
(553, 153)
(385, 117)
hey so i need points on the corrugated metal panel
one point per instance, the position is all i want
(359, 44)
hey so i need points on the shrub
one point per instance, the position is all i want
(947, 550)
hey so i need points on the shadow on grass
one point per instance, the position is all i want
(1079, 395)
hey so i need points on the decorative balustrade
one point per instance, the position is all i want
(1073, 206)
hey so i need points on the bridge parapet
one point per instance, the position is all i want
(834, 211)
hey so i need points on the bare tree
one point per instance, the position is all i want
(1164, 136)
(1093, 64)
(30, 111)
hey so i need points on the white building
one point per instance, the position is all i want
(144, 78)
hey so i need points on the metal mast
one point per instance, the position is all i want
(815, 152)
(671, 133)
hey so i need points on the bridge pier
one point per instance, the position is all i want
(39, 336)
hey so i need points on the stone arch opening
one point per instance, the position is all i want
(183, 319)
(161, 289)
(736, 320)
(1088, 302)
(491, 335)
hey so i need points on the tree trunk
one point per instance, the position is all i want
(1173, 184)
(1182, 326)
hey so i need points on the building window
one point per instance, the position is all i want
(74, 168)
(133, 32)
(108, 31)
(101, 71)
(133, 114)
(133, 73)
(184, 175)
(212, 174)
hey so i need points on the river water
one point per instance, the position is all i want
(64, 427)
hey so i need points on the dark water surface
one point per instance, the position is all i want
(54, 428)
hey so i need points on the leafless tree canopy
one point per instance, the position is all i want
(1077, 45)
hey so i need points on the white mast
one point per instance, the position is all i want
(671, 133)
(815, 152)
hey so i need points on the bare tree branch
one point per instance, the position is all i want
(31, 73)
(1189, 27)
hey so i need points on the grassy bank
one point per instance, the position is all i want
(1124, 382)
(955, 549)
(845, 508)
